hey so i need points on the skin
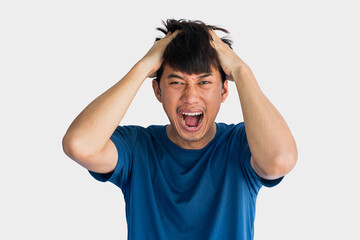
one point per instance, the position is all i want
(273, 148)
(274, 152)
(87, 140)
(179, 92)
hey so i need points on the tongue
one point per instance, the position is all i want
(191, 121)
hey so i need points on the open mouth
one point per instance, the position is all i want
(191, 120)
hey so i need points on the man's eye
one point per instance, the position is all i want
(175, 83)
(204, 82)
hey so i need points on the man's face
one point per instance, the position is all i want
(191, 103)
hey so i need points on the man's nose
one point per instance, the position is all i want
(190, 94)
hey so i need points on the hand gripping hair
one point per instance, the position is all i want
(190, 51)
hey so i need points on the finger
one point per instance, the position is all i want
(212, 33)
(173, 34)
(212, 43)
(214, 36)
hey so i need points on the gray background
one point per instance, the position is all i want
(58, 56)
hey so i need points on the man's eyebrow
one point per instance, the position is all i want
(205, 75)
(173, 75)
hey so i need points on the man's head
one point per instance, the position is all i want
(191, 84)
(190, 51)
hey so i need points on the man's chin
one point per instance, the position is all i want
(184, 136)
(190, 136)
(191, 139)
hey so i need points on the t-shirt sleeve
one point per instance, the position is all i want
(255, 180)
(124, 138)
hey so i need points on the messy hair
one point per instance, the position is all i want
(190, 51)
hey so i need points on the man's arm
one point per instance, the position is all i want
(87, 141)
(271, 143)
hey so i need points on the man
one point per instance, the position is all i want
(193, 178)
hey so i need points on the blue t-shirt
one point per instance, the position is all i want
(174, 193)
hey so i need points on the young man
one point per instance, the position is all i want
(193, 178)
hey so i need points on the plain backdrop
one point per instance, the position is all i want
(58, 56)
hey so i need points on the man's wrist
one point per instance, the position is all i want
(241, 72)
(146, 66)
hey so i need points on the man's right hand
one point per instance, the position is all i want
(87, 141)
(154, 56)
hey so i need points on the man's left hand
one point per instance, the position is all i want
(229, 61)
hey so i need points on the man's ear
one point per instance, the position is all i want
(157, 89)
(224, 91)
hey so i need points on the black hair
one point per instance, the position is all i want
(190, 51)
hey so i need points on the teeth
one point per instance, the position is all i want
(192, 114)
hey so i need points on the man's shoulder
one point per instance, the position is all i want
(137, 130)
(226, 127)
(141, 128)
(230, 133)
(155, 127)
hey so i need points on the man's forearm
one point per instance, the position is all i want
(270, 140)
(93, 127)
